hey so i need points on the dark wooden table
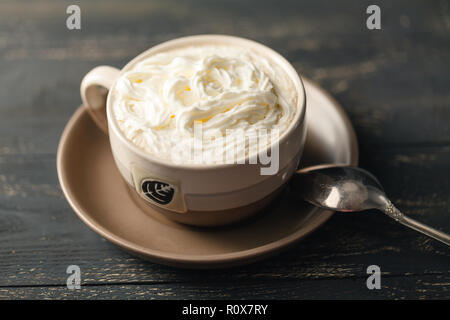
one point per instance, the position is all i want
(393, 83)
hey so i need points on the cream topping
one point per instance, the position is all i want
(228, 92)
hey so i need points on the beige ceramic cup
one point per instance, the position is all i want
(196, 194)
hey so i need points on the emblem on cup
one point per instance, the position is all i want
(157, 191)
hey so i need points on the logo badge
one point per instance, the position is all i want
(157, 191)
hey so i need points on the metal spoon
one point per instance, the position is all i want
(348, 189)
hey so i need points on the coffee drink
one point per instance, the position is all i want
(183, 116)
(224, 93)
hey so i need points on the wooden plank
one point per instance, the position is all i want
(423, 287)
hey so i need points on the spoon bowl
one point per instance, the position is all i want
(349, 189)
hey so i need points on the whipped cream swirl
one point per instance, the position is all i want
(228, 91)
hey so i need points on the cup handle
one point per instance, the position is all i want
(94, 91)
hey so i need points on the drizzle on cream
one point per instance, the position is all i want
(229, 91)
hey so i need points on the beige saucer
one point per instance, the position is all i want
(98, 194)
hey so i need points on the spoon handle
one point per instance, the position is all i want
(395, 214)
